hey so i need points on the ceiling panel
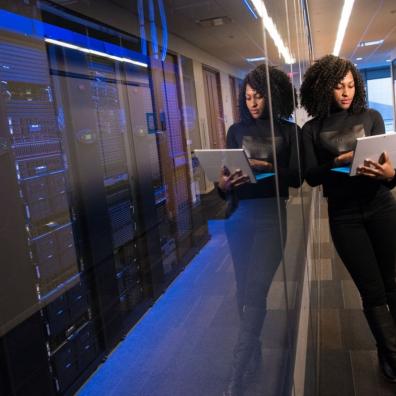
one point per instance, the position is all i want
(242, 36)
(370, 20)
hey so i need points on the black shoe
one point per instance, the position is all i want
(243, 352)
(385, 367)
(383, 328)
(254, 364)
(234, 388)
(246, 347)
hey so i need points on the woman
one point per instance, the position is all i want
(362, 210)
(253, 230)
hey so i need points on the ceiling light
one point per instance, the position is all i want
(359, 58)
(270, 26)
(388, 60)
(94, 52)
(368, 43)
(345, 15)
(258, 59)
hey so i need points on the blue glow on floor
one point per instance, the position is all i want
(183, 346)
(139, 364)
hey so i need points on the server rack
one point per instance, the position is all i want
(173, 160)
(95, 127)
(102, 219)
(61, 311)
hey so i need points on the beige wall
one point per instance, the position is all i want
(227, 100)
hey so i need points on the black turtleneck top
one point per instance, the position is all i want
(256, 139)
(323, 140)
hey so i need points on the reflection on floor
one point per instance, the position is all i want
(348, 360)
(183, 345)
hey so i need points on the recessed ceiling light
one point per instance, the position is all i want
(355, 64)
(258, 59)
(388, 60)
(270, 26)
(94, 52)
(368, 43)
(342, 25)
(359, 58)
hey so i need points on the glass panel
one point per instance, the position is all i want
(113, 228)
(293, 276)
(35, 164)
(394, 91)
(379, 94)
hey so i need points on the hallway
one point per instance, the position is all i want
(183, 345)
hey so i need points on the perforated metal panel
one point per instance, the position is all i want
(39, 164)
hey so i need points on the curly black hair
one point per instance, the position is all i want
(319, 83)
(282, 93)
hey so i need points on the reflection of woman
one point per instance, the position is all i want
(253, 230)
(362, 210)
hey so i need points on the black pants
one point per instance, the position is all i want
(364, 235)
(253, 233)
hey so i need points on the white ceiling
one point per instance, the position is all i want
(370, 20)
(234, 42)
(242, 37)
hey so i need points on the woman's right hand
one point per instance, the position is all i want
(344, 159)
(228, 180)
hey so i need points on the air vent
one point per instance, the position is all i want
(214, 22)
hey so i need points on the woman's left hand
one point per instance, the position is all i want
(260, 165)
(381, 170)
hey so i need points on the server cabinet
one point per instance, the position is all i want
(154, 224)
(25, 359)
(174, 161)
(74, 98)
(97, 215)
(18, 297)
(46, 302)
(115, 167)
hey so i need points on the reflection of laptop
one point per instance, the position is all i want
(371, 147)
(212, 162)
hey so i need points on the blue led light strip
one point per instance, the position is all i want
(142, 29)
(153, 29)
(94, 52)
(250, 8)
(164, 30)
(68, 39)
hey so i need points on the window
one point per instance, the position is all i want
(379, 93)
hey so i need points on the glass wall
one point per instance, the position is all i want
(124, 268)
(379, 93)
(394, 91)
